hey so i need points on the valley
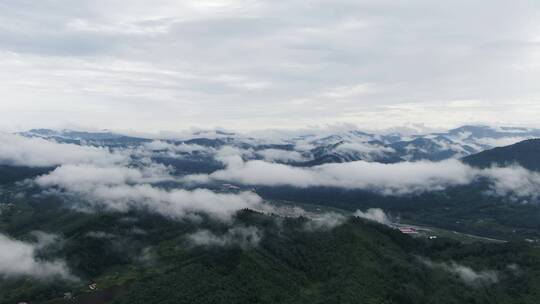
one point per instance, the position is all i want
(211, 220)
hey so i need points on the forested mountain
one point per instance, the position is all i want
(139, 258)
(227, 218)
(525, 154)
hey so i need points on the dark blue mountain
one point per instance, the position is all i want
(525, 154)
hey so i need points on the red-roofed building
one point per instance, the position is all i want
(407, 230)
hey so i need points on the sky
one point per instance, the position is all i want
(247, 64)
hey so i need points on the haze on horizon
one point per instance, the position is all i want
(246, 64)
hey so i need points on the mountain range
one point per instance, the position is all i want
(113, 225)
(314, 149)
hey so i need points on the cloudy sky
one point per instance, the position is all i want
(248, 64)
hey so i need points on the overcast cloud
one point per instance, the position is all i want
(246, 64)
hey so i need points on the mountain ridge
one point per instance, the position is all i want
(336, 147)
(525, 154)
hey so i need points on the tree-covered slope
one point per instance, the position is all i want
(142, 258)
(525, 154)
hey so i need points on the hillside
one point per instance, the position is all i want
(288, 262)
(525, 154)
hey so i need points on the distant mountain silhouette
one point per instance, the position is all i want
(525, 154)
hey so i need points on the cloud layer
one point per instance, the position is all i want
(387, 179)
(127, 179)
(117, 195)
(101, 178)
(400, 178)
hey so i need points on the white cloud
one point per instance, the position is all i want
(388, 179)
(72, 176)
(23, 151)
(84, 176)
(244, 237)
(18, 258)
(514, 181)
(348, 91)
(96, 178)
(175, 203)
(232, 156)
(465, 273)
(122, 189)
(500, 142)
(282, 155)
(45, 239)
(158, 145)
(325, 221)
(400, 178)
(368, 151)
(374, 214)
